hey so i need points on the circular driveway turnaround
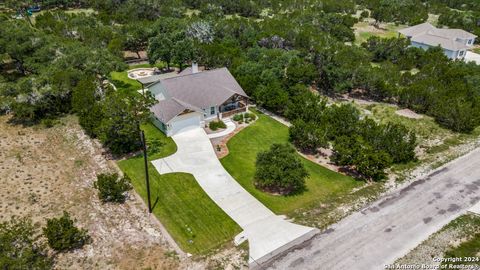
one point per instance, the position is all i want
(268, 234)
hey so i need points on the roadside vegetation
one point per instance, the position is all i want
(458, 239)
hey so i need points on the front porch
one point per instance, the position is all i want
(236, 104)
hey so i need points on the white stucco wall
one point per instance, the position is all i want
(450, 54)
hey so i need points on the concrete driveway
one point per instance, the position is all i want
(472, 57)
(267, 233)
(390, 227)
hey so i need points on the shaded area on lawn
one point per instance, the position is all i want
(195, 222)
(240, 163)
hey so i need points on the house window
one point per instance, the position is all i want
(461, 53)
(469, 41)
(212, 110)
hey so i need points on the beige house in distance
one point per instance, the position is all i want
(454, 42)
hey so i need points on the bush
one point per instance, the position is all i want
(47, 122)
(280, 170)
(62, 234)
(18, 247)
(355, 152)
(112, 188)
(214, 125)
(364, 14)
(250, 116)
(238, 117)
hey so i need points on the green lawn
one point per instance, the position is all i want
(322, 184)
(363, 30)
(121, 80)
(196, 223)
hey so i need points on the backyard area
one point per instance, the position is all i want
(322, 183)
(196, 223)
(364, 30)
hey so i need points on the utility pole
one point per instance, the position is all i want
(147, 180)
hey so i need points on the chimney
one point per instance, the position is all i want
(194, 67)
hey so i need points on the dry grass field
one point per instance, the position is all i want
(44, 171)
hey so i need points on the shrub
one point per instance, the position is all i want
(112, 188)
(62, 234)
(214, 125)
(364, 14)
(18, 247)
(47, 122)
(280, 170)
(250, 116)
(238, 117)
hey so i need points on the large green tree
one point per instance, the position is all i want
(280, 170)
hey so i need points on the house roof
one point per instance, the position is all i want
(166, 110)
(156, 78)
(195, 91)
(445, 43)
(417, 29)
(428, 34)
(203, 89)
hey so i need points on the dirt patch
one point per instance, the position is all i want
(47, 171)
(409, 114)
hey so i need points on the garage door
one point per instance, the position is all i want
(184, 122)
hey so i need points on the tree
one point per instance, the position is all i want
(272, 96)
(62, 234)
(356, 153)
(343, 120)
(300, 71)
(160, 48)
(308, 137)
(280, 170)
(111, 187)
(183, 52)
(122, 115)
(137, 35)
(19, 246)
(372, 164)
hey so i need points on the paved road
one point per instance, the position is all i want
(267, 233)
(390, 227)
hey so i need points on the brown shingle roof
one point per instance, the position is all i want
(195, 91)
(203, 89)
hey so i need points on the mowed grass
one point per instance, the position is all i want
(121, 80)
(322, 183)
(196, 223)
(363, 30)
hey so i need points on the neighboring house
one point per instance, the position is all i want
(454, 42)
(193, 98)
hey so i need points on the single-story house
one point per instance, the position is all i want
(195, 97)
(454, 42)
